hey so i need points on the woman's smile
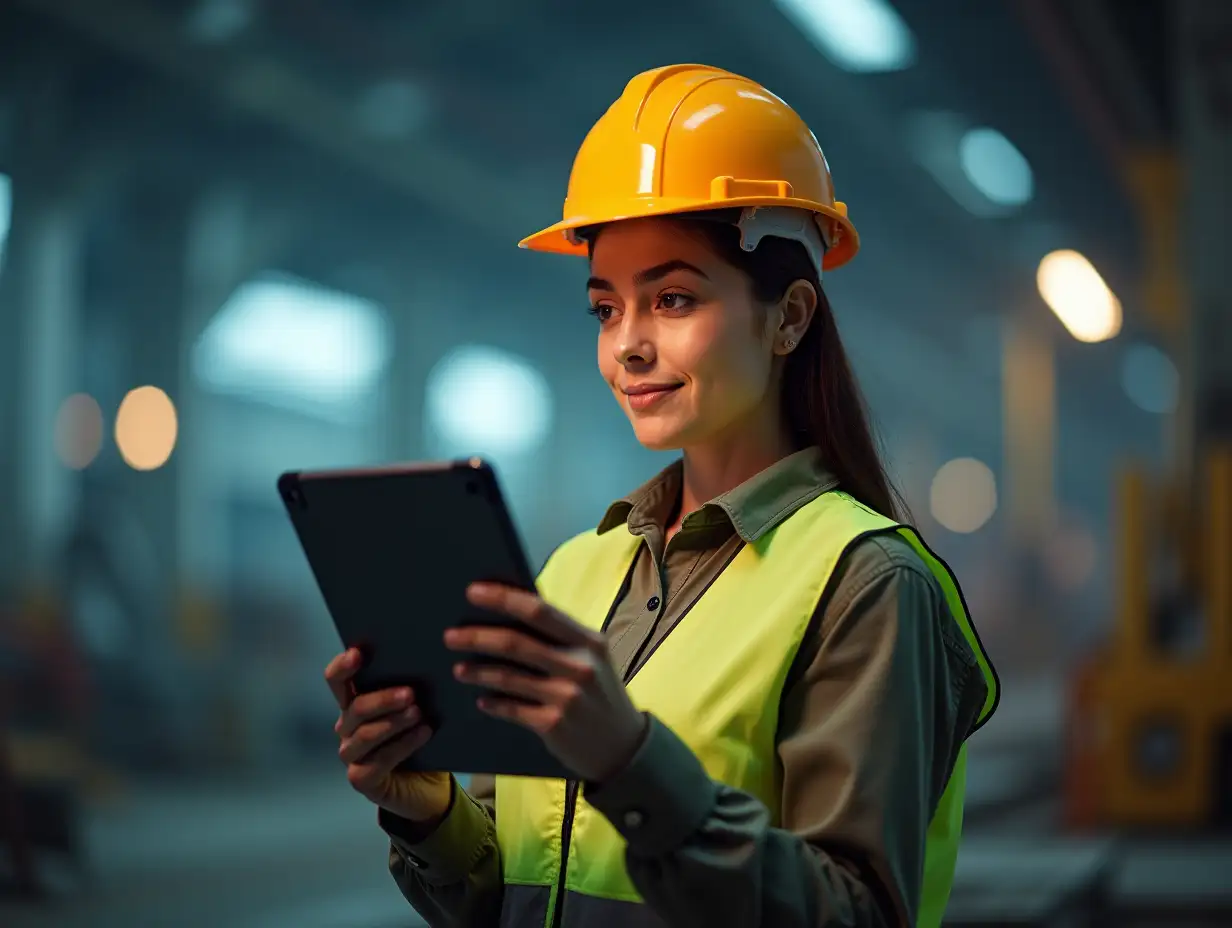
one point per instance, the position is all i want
(644, 396)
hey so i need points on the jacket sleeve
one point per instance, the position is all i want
(450, 871)
(869, 731)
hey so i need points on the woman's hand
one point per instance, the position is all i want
(376, 732)
(579, 708)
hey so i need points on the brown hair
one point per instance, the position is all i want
(822, 403)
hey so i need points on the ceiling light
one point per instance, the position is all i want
(1078, 296)
(995, 167)
(483, 400)
(291, 342)
(864, 36)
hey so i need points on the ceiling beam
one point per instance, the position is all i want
(419, 168)
(1124, 80)
(492, 117)
(1072, 68)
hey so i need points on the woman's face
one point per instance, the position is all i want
(685, 348)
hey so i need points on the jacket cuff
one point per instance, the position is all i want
(442, 853)
(660, 798)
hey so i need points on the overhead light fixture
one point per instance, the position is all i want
(995, 167)
(483, 400)
(293, 343)
(1078, 296)
(977, 166)
(863, 36)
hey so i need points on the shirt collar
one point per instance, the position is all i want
(752, 509)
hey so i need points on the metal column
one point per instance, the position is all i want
(1205, 132)
(40, 303)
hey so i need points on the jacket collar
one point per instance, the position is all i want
(751, 509)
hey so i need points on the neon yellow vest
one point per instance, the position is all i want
(716, 681)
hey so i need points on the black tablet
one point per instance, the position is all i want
(393, 550)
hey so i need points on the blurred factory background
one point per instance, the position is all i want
(242, 236)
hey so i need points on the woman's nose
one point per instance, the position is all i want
(634, 347)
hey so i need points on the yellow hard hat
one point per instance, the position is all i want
(689, 137)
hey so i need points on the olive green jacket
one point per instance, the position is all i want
(858, 791)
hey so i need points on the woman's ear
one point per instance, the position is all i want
(795, 314)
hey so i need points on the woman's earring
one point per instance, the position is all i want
(789, 344)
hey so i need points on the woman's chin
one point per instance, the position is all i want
(658, 436)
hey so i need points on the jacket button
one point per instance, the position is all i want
(633, 819)
(653, 603)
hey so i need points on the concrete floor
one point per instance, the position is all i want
(1045, 880)
(303, 851)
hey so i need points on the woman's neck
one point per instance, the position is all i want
(712, 469)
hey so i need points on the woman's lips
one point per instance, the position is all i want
(644, 399)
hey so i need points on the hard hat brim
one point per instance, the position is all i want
(554, 240)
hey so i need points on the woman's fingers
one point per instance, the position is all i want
(513, 645)
(368, 772)
(370, 736)
(369, 706)
(339, 673)
(540, 719)
(555, 690)
(532, 610)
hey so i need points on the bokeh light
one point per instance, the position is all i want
(963, 496)
(79, 431)
(296, 344)
(486, 401)
(995, 167)
(1078, 296)
(146, 428)
(862, 36)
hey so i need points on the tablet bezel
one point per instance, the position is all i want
(353, 525)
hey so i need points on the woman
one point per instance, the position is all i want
(762, 682)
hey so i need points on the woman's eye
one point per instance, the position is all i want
(675, 301)
(602, 313)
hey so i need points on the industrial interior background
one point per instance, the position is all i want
(242, 236)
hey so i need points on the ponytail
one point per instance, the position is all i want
(822, 403)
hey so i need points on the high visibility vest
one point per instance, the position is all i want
(716, 680)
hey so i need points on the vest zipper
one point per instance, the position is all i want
(571, 786)
(566, 835)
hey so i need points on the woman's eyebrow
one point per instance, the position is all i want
(651, 274)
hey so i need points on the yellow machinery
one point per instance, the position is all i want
(1150, 730)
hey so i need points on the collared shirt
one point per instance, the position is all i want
(880, 696)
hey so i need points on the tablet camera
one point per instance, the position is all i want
(295, 497)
